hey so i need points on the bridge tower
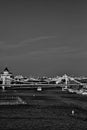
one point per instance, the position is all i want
(66, 81)
(6, 78)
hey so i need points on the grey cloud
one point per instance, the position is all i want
(40, 46)
(36, 39)
(11, 44)
(57, 51)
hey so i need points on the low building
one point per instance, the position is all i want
(18, 77)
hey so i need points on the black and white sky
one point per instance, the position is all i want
(43, 37)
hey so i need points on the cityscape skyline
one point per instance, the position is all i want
(43, 37)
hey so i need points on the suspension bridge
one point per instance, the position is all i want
(64, 82)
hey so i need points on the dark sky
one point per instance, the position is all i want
(43, 37)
